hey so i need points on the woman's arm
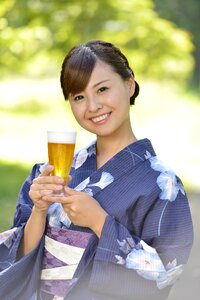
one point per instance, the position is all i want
(34, 229)
(148, 264)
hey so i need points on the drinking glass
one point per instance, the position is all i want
(61, 145)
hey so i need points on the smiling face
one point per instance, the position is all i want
(103, 106)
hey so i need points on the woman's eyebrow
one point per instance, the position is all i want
(98, 83)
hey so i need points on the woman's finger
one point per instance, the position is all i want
(46, 186)
(47, 170)
(37, 194)
(70, 192)
(48, 180)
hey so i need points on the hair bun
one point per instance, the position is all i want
(136, 93)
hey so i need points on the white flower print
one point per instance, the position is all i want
(81, 186)
(147, 155)
(126, 245)
(83, 155)
(171, 275)
(57, 216)
(106, 179)
(120, 260)
(167, 180)
(89, 192)
(146, 262)
(42, 167)
(92, 148)
(80, 159)
(7, 236)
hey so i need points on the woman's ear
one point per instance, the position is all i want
(131, 85)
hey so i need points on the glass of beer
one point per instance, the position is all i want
(61, 145)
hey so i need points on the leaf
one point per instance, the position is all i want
(105, 180)
(120, 260)
(148, 155)
(80, 159)
(81, 186)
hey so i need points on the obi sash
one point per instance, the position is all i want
(62, 254)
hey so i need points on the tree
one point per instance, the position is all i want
(35, 35)
(185, 14)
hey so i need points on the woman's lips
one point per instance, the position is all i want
(100, 119)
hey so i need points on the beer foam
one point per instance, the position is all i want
(64, 137)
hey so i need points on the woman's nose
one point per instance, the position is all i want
(94, 104)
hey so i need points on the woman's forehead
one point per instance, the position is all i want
(101, 72)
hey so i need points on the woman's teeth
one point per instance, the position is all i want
(100, 118)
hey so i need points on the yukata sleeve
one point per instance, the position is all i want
(19, 276)
(145, 266)
(24, 203)
(10, 240)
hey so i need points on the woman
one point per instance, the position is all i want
(123, 230)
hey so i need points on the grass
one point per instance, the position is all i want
(163, 112)
(11, 177)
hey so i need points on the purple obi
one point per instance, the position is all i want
(62, 254)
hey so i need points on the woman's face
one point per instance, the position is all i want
(103, 107)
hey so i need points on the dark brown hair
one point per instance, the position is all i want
(79, 63)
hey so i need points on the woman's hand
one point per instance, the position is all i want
(42, 186)
(82, 209)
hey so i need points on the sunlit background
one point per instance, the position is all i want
(163, 113)
(161, 40)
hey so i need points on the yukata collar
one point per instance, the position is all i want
(124, 161)
(135, 153)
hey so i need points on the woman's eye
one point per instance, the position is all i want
(102, 89)
(78, 98)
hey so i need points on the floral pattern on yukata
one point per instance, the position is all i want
(167, 182)
(141, 257)
(146, 262)
(82, 156)
(8, 236)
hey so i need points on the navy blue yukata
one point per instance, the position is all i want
(144, 245)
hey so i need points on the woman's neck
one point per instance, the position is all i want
(108, 146)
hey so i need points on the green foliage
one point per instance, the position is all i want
(11, 178)
(185, 14)
(36, 34)
(29, 107)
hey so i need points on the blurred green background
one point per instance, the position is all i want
(161, 40)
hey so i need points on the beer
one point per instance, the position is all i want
(61, 145)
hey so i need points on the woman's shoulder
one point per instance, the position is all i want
(166, 179)
(155, 176)
(149, 154)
